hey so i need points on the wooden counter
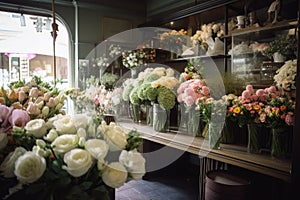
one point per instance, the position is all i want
(265, 164)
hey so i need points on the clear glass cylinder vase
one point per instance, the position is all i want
(214, 134)
(253, 145)
(279, 144)
(149, 115)
(160, 118)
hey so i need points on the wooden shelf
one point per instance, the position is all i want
(264, 164)
(272, 27)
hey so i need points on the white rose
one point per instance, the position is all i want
(50, 137)
(8, 165)
(134, 163)
(65, 143)
(78, 162)
(40, 151)
(36, 128)
(115, 137)
(3, 140)
(30, 167)
(97, 148)
(81, 120)
(114, 175)
(65, 125)
(51, 120)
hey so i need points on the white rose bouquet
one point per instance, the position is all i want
(285, 76)
(66, 157)
(135, 58)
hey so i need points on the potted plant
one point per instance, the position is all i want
(283, 47)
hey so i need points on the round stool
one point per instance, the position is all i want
(221, 185)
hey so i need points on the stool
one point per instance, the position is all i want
(221, 185)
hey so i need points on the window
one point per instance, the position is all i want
(26, 49)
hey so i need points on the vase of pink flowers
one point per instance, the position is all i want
(189, 93)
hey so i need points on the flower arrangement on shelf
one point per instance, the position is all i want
(280, 111)
(211, 30)
(115, 50)
(174, 37)
(67, 156)
(249, 107)
(109, 80)
(103, 101)
(192, 90)
(102, 61)
(134, 58)
(174, 41)
(285, 75)
(193, 70)
(38, 98)
(284, 44)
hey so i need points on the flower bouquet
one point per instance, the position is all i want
(38, 98)
(133, 59)
(174, 40)
(248, 109)
(213, 112)
(109, 80)
(189, 92)
(280, 118)
(286, 75)
(68, 157)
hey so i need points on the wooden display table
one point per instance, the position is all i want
(264, 164)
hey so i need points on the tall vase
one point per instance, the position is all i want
(160, 118)
(227, 136)
(193, 122)
(279, 145)
(253, 138)
(214, 134)
(149, 115)
(135, 111)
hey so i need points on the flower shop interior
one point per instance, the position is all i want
(149, 99)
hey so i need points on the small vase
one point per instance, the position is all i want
(160, 118)
(279, 145)
(134, 72)
(135, 113)
(253, 138)
(149, 115)
(278, 57)
(214, 135)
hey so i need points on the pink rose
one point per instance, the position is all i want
(289, 120)
(250, 88)
(254, 97)
(189, 92)
(205, 90)
(22, 96)
(246, 94)
(189, 100)
(179, 98)
(19, 118)
(260, 92)
(272, 89)
(4, 115)
(262, 117)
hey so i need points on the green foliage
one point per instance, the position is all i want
(284, 44)
(109, 80)
(134, 140)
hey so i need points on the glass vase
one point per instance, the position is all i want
(160, 118)
(279, 143)
(134, 72)
(193, 122)
(149, 115)
(227, 136)
(135, 110)
(253, 145)
(214, 134)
